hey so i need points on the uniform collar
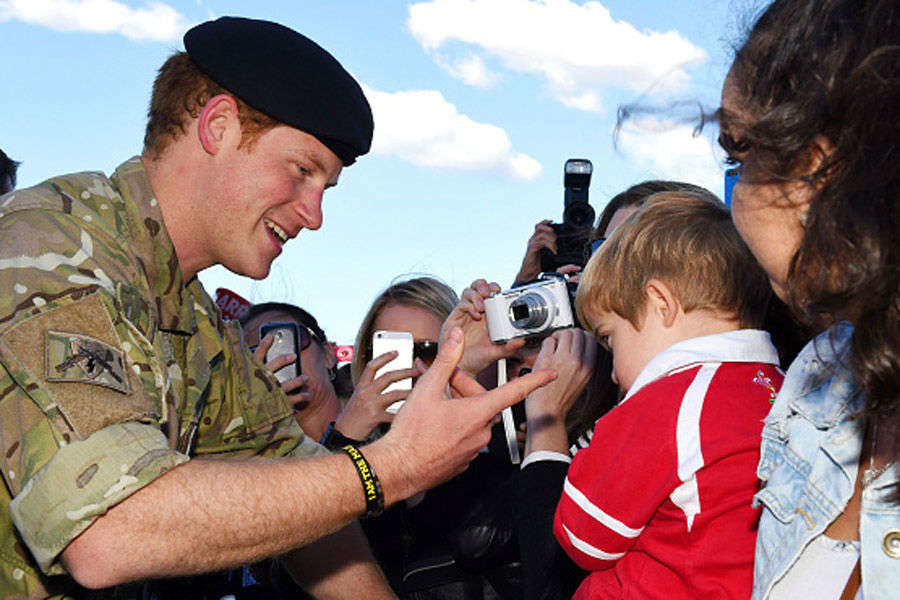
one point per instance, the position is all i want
(154, 248)
(743, 345)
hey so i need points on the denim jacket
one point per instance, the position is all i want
(808, 464)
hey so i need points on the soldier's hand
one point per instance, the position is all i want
(434, 436)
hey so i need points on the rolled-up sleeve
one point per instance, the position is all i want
(82, 481)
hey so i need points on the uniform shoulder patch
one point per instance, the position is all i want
(76, 357)
(69, 359)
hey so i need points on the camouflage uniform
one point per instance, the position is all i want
(113, 370)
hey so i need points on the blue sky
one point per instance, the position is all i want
(477, 103)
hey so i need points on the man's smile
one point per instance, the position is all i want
(277, 231)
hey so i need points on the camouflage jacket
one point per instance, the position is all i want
(113, 369)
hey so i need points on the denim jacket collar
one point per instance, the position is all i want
(743, 345)
(825, 372)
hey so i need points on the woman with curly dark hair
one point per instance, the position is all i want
(811, 112)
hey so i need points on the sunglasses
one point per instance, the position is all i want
(426, 350)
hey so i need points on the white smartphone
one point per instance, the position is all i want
(402, 343)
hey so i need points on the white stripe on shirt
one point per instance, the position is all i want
(591, 551)
(687, 437)
(594, 511)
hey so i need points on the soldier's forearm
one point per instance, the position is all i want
(207, 515)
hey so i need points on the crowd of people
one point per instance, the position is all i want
(692, 436)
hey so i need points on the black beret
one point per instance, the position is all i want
(286, 76)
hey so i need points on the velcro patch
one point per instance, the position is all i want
(84, 389)
(85, 359)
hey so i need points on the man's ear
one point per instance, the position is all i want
(662, 301)
(217, 122)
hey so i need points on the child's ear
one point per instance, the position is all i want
(662, 301)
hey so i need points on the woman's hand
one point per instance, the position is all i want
(295, 388)
(572, 272)
(572, 353)
(367, 407)
(480, 351)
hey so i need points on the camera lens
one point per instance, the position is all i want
(579, 214)
(529, 311)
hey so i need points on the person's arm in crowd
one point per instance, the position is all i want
(340, 565)
(469, 316)
(543, 237)
(548, 573)
(367, 407)
(206, 515)
(572, 353)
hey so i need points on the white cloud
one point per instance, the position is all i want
(470, 69)
(155, 21)
(668, 149)
(422, 127)
(579, 50)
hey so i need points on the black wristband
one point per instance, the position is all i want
(334, 439)
(371, 486)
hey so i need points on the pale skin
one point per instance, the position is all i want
(207, 515)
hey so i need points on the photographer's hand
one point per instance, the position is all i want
(573, 272)
(366, 408)
(543, 237)
(295, 388)
(468, 315)
(572, 353)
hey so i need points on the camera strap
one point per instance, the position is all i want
(509, 425)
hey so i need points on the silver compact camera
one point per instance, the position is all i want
(534, 309)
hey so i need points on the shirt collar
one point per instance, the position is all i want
(153, 247)
(743, 345)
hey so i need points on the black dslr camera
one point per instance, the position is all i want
(578, 218)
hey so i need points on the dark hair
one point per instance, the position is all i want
(8, 169)
(180, 92)
(831, 68)
(635, 196)
(295, 312)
